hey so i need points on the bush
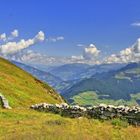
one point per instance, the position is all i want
(119, 123)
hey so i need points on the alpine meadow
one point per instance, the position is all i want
(69, 70)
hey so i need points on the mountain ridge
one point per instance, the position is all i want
(118, 84)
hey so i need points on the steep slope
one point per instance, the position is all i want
(41, 75)
(22, 89)
(70, 73)
(57, 83)
(116, 85)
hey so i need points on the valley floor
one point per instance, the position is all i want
(25, 124)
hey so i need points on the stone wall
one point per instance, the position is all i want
(103, 111)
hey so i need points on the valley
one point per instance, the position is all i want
(22, 90)
(110, 83)
(69, 70)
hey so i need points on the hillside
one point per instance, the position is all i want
(70, 73)
(40, 74)
(123, 84)
(34, 125)
(57, 83)
(21, 89)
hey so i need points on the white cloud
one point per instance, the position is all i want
(90, 55)
(80, 57)
(40, 36)
(91, 52)
(80, 45)
(3, 37)
(54, 39)
(13, 47)
(131, 54)
(60, 38)
(31, 57)
(15, 33)
(137, 24)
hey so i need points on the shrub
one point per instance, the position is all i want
(119, 123)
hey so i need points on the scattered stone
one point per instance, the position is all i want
(4, 102)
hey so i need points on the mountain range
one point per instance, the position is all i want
(122, 84)
(85, 84)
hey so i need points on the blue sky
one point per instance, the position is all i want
(105, 23)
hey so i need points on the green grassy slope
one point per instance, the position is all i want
(92, 98)
(21, 89)
(32, 125)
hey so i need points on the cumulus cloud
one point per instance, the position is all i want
(31, 57)
(131, 54)
(137, 24)
(91, 52)
(90, 55)
(13, 47)
(4, 37)
(15, 33)
(40, 36)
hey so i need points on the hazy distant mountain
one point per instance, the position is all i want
(62, 78)
(69, 71)
(80, 71)
(89, 72)
(115, 85)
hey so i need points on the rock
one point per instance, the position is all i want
(4, 101)
(103, 105)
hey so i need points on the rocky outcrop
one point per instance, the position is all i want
(103, 111)
(4, 102)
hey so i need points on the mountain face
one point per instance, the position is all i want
(69, 72)
(115, 85)
(41, 75)
(22, 89)
(58, 84)
(76, 72)
(89, 72)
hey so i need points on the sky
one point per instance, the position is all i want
(71, 26)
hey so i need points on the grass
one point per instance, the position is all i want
(91, 98)
(20, 123)
(22, 89)
(25, 124)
